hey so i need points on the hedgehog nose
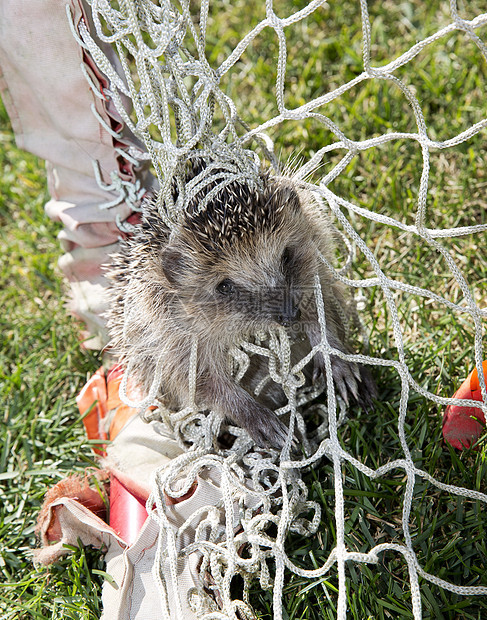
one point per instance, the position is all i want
(287, 318)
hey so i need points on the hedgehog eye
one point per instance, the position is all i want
(226, 287)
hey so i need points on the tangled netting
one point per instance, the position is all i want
(179, 111)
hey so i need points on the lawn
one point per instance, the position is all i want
(42, 366)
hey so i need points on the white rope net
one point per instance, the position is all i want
(180, 111)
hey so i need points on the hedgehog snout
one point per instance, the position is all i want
(288, 310)
(288, 316)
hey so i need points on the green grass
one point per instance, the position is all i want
(42, 366)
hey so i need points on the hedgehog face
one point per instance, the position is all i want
(262, 280)
(262, 291)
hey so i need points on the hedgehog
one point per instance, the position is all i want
(244, 263)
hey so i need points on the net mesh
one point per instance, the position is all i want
(180, 110)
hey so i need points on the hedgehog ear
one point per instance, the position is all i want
(173, 264)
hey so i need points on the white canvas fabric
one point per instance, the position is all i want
(55, 114)
(133, 592)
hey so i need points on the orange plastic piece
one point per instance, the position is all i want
(463, 426)
(124, 412)
(94, 396)
(99, 397)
